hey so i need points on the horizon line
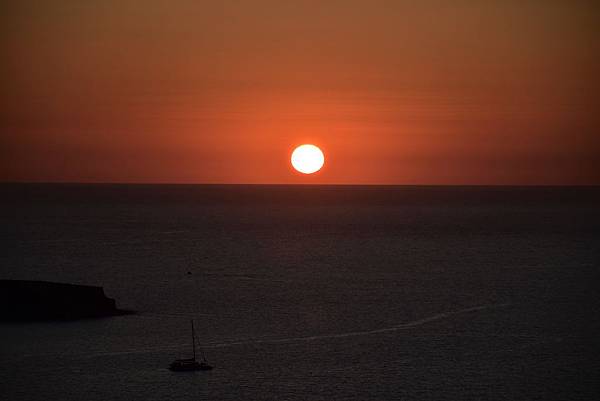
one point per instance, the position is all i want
(106, 183)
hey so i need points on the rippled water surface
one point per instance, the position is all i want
(308, 293)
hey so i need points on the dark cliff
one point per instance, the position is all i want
(22, 300)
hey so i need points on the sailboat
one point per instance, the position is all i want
(191, 364)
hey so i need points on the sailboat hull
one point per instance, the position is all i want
(188, 365)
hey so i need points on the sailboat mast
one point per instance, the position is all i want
(193, 340)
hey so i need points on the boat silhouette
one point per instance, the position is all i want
(191, 364)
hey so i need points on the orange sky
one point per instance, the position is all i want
(394, 92)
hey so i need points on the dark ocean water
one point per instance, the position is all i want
(309, 292)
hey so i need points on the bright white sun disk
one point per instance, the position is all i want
(307, 159)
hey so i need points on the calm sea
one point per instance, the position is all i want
(309, 292)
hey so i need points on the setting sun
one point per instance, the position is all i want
(307, 159)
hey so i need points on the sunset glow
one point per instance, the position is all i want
(350, 200)
(421, 93)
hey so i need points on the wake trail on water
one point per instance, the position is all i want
(402, 326)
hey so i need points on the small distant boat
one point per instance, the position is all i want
(190, 364)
